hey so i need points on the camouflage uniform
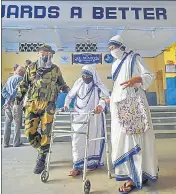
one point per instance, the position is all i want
(42, 87)
(41, 84)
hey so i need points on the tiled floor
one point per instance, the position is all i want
(18, 163)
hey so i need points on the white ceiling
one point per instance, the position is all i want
(148, 43)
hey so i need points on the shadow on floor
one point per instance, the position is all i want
(164, 183)
(61, 162)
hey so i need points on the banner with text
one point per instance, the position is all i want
(138, 13)
(86, 58)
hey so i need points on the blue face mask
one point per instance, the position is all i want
(87, 80)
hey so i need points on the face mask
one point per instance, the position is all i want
(45, 62)
(45, 59)
(117, 53)
(88, 80)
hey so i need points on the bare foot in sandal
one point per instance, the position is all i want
(127, 187)
(75, 172)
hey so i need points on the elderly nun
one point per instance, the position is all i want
(90, 93)
(132, 136)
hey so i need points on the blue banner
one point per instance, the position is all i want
(87, 58)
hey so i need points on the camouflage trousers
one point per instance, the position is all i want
(39, 113)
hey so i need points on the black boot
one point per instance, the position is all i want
(40, 164)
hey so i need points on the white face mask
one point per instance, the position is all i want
(117, 53)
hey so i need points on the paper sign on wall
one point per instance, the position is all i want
(65, 59)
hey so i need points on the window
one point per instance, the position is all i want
(86, 47)
(29, 47)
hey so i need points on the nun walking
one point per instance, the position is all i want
(132, 136)
(90, 93)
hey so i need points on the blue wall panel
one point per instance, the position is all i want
(171, 82)
(171, 90)
(152, 98)
(171, 96)
(61, 100)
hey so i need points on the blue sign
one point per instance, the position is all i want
(87, 58)
(108, 58)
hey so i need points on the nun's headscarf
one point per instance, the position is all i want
(90, 70)
(117, 41)
(87, 73)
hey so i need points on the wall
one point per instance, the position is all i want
(72, 72)
(170, 55)
(10, 59)
(170, 92)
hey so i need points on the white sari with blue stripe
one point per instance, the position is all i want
(133, 156)
(87, 98)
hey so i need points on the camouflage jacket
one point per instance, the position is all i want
(41, 84)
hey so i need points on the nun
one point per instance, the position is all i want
(132, 136)
(90, 94)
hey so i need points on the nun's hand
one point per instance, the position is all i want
(64, 109)
(131, 82)
(107, 100)
(98, 109)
